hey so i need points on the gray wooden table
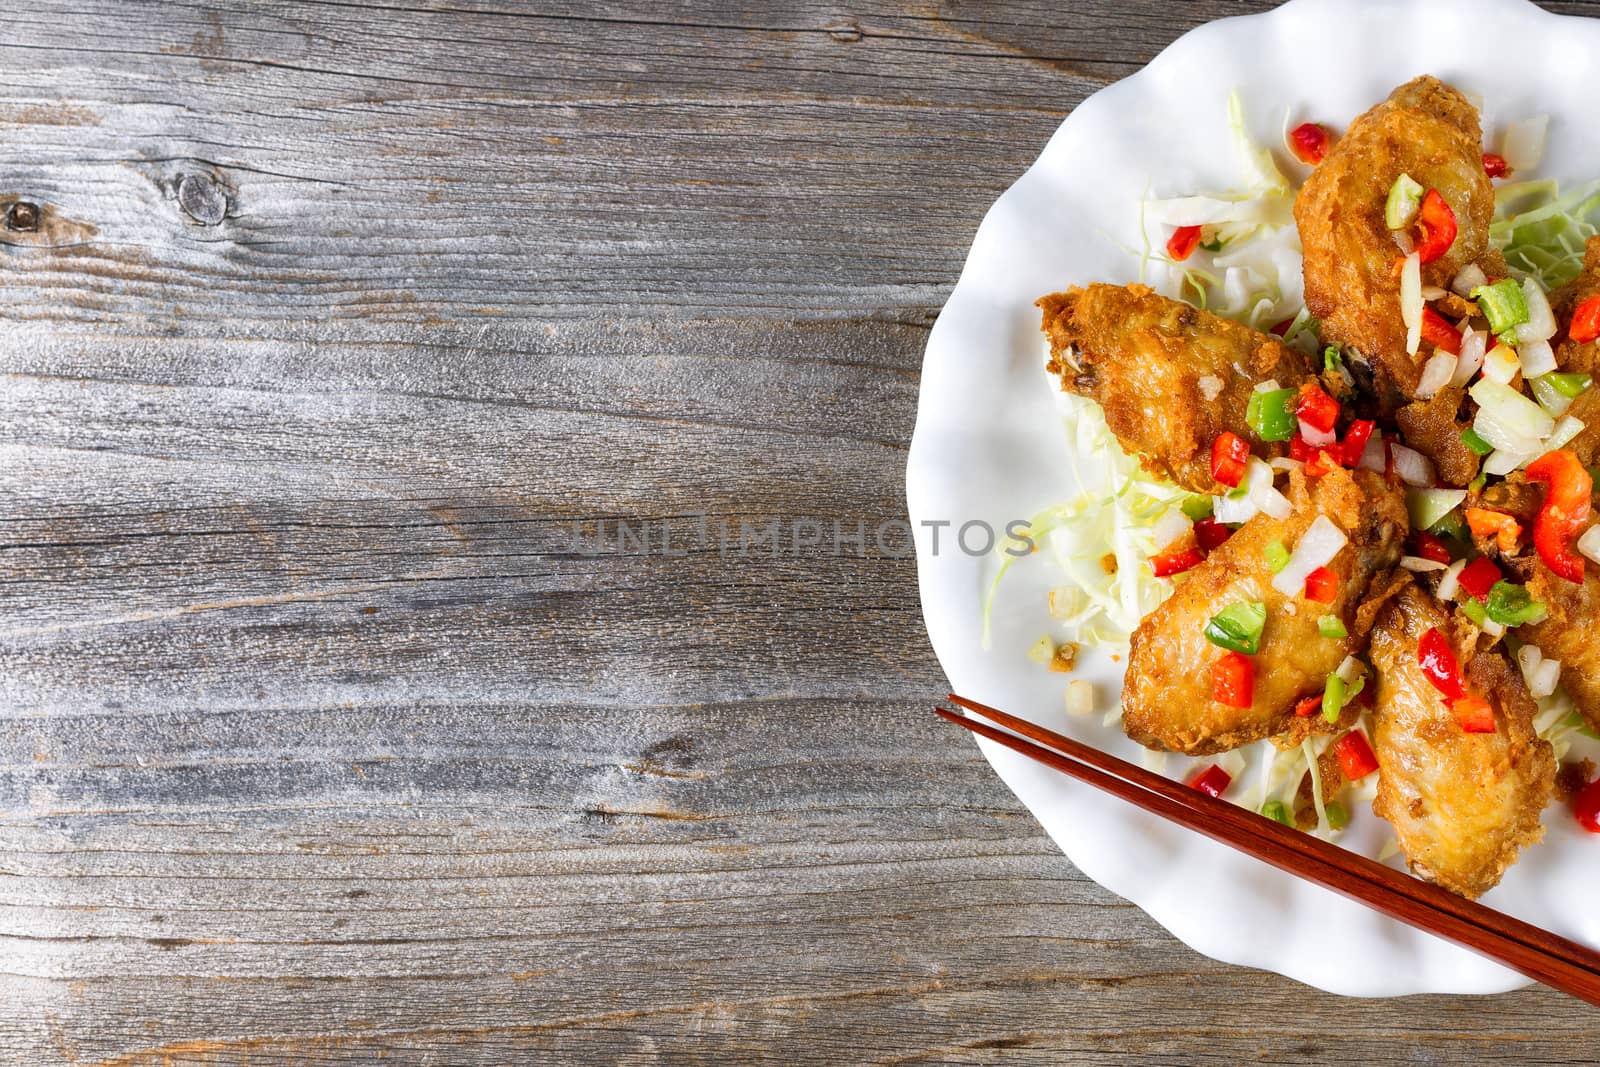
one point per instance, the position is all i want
(323, 738)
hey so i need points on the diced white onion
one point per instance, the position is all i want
(1428, 506)
(1549, 677)
(1284, 463)
(1528, 657)
(1501, 364)
(1589, 543)
(1432, 292)
(1537, 358)
(1438, 372)
(1500, 462)
(1375, 457)
(1411, 301)
(1473, 347)
(1493, 629)
(1467, 279)
(1316, 438)
(1350, 669)
(1403, 241)
(1210, 386)
(1541, 324)
(1172, 525)
(1259, 484)
(1269, 386)
(1419, 565)
(1318, 545)
(1450, 581)
(1550, 398)
(1522, 145)
(1042, 651)
(1509, 420)
(1080, 697)
(1232, 509)
(1412, 466)
(1567, 427)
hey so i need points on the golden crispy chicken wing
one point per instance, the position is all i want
(1170, 376)
(1462, 804)
(1570, 632)
(1582, 357)
(1167, 699)
(1425, 129)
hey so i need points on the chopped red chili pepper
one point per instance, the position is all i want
(1281, 329)
(1321, 464)
(1430, 547)
(1211, 781)
(1479, 576)
(1322, 585)
(1233, 680)
(1356, 758)
(1585, 325)
(1355, 441)
(1229, 454)
(1439, 664)
(1438, 225)
(1309, 706)
(1473, 714)
(1317, 408)
(1181, 244)
(1439, 333)
(1496, 166)
(1211, 533)
(1586, 806)
(1565, 510)
(1309, 143)
(1176, 560)
(1497, 524)
(1299, 448)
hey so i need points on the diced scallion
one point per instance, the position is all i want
(1474, 441)
(1405, 198)
(1332, 627)
(1238, 627)
(1197, 507)
(1569, 385)
(1275, 810)
(1277, 555)
(1338, 817)
(1333, 698)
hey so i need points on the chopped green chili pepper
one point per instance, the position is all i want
(1197, 507)
(1337, 816)
(1277, 556)
(1472, 608)
(1332, 627)
(1511, 605)
(1333, 698)
(1569, 385)
(1452, 525)
(1271, 414)
(1274, 810)
(1476, 485)
(1331, 359)
(1474, 440)
(1502, 304)
(1238, 626)
(1405, 198)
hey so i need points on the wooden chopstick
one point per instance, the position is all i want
(1527, 949)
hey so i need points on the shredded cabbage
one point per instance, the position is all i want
(1541, 230)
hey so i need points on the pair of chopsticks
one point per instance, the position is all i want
(1526, 949)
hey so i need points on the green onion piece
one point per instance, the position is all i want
(1502, 304)
(1238, 626)
(1271, 414)
(1277, 556)
(1472, 608)
(1332, 627)
(1197, 507)
(1405, 198)
(1476, 485)
(1274, 810)
(1331, 359)
(1333, 698)
(1511, 605)
(1474, 440)
(1569, 385)
(1338, 818)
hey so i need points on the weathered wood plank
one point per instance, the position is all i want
(322, 741)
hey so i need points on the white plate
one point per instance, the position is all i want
(989, 446)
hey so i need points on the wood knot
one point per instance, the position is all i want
(846, 32)
(22, 217)
(202, 199)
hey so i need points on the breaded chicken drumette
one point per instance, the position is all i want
(1170, 376)
(1462, 804)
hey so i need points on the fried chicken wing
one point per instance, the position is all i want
(1431, 427)
(1570, 632)
(1430, 131)
(1576, 357)
(1167, 695)
(1462, 804)
(1170, 376)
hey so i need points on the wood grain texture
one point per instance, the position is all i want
(325, 739)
